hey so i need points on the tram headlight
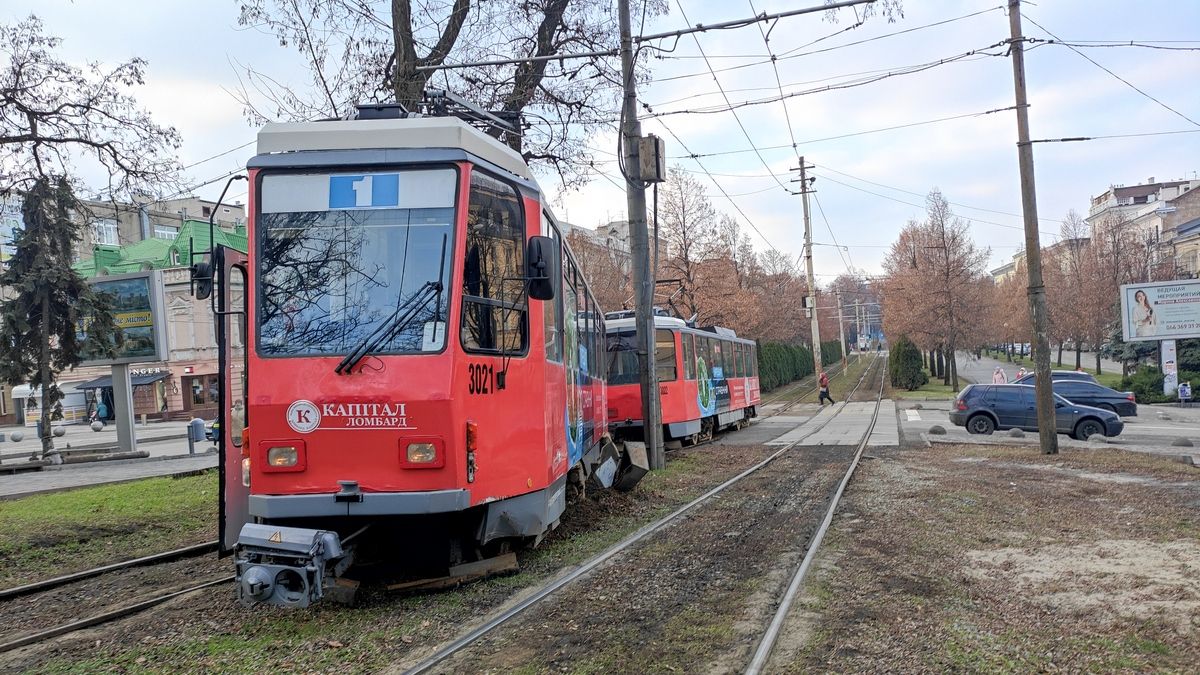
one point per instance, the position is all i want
(426, 452)
(282, 456)
(422, 453)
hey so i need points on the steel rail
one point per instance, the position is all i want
(763, 653)
(105, 617)
(166, 556)
(646, 530)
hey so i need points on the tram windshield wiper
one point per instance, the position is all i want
(404, 315)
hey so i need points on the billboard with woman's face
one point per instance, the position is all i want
(1165, 310)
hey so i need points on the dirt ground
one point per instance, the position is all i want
(209, 631)
(989, 559)
(692, 598)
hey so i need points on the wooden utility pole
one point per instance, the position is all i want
(842, 331)
(639, 249)
(1047, 427)
(808, 262)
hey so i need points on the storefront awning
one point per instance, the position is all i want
(26, 391)
(136, 380)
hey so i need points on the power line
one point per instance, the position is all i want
(1098, 138)
(791, 55)
(826, 167)
(725, 96)
(219, 154)
(922, 206)
(1094, 63)
(852, 134)
(722, 189)
(847, 261)
(907, 70)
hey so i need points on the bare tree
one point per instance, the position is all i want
(363, 51)
(52, 115)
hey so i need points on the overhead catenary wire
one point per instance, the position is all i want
(1118, 77)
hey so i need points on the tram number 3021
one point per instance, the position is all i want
(481, 378)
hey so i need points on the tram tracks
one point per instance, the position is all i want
(43, 610)
(737, 524)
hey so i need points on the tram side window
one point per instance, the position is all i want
(664, 355)
(739, 363)
(552, 309)
(704, 346)
(689, 356)
(754, 361)
(718, 360)
(493, 304)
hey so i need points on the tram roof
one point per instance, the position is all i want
(382, 134)
(616, 325)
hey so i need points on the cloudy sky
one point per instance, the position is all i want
(870, 181)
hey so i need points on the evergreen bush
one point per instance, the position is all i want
(905, 365)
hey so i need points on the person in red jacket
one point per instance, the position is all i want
(823, 382)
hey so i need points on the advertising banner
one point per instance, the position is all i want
(137, 301)
(1169, 367)
(1160, 311)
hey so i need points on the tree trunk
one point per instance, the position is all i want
(1060, 351)
(941, 357)
(954, 368)
(1009, 352)
(1097, 361)
(1079, 356)
(44, 368)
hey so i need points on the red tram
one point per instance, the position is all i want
(707, 378)
(413, 361)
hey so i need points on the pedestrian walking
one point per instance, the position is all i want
(998, 376)
(823, 383)
(1020, 373)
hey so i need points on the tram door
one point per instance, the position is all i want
(231, 337)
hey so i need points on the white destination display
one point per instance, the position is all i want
(1161, 310)
(300, 193)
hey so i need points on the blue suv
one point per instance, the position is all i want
(984, 408)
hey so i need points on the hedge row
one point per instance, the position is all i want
(779, 364)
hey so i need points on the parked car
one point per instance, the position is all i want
(1089, 392)
(213, 430)
(1057, 375)
(984, 408)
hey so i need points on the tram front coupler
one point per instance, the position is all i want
(288, 566)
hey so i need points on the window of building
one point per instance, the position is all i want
(664, 355)
(493, 305)
(162, 231)
(104, 231)
(201, 391)
(206, 211)
(175, 258)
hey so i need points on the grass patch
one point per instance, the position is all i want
(933, 389)
(51, 534)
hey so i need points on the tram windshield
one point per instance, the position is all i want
(339, 254)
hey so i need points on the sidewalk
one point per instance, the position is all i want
(52, 479)
(81, 437)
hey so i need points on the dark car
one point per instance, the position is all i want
(1057, 375)
(213, 430)
(984, 408)
(1090, 393)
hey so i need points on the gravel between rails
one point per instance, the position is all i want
(90, 597)
(695, 597)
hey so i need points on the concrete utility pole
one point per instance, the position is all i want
(639, 248)
(842, 331)
(1047, 427)
(808, 262)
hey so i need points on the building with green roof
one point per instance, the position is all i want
(155, 254)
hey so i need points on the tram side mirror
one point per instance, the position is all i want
(202, 280)
(542, 267)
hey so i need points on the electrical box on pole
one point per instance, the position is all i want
(652, 159)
